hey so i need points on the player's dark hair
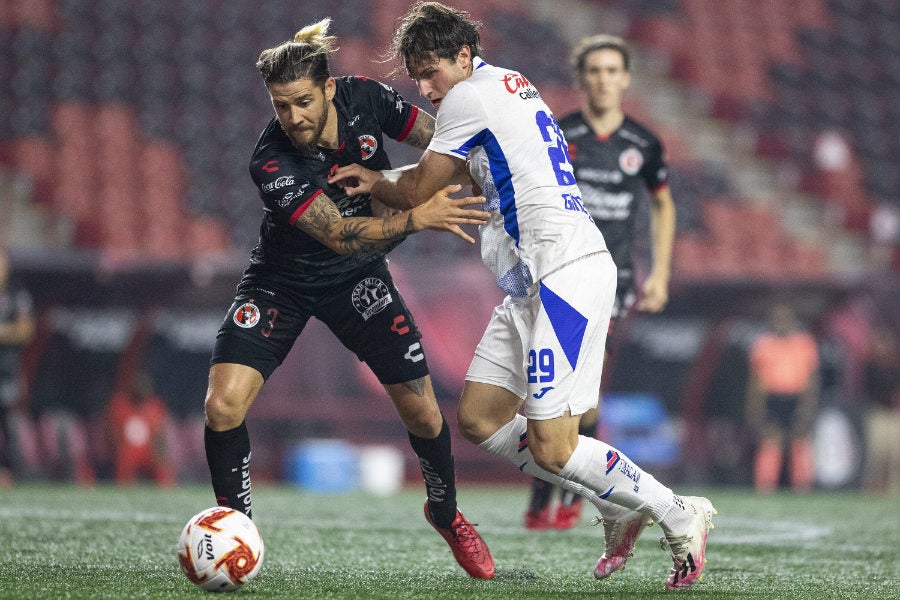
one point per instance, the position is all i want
(599, 42)
(304, 57)
(431, 30)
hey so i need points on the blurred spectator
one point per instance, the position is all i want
(884, 234)
(16, 330)
(65, 446)
(139, 423)
(832, 152)
(782, 400)
(881, 386)
(838, 176)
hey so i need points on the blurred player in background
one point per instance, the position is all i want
(543, 347)
(140, 424)
(881, 388)
(16, 330)
(617, 161)
(321, 254)
(783, 400)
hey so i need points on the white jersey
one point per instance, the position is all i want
(518, 156)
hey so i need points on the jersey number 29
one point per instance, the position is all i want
(558, 151)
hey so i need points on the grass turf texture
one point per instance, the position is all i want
(65, 542)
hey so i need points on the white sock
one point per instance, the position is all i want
(511, 443)
(600, 467)
(678, 517)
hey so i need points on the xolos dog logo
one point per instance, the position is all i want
(367, 146)
(246, 315)
(631, 161)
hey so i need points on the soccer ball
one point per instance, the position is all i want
(220, 549)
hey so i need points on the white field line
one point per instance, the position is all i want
(68, 514)
(728, 530)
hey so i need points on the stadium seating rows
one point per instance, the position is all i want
(793, 70)
(135, 120)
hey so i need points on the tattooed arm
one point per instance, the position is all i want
(346, 235)
(356, 179)
(421, 132)
(407, 186)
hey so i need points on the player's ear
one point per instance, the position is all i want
(330, 88)
(464, 56)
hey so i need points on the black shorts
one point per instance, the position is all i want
(365, 311)
(781, 410)
(621, 305)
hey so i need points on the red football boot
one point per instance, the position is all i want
(468, 548)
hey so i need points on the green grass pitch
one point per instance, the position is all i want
(64, 542)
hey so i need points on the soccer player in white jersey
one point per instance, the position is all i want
(543, 348)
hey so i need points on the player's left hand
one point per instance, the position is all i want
(655, 294)
(443, 213)
(355, 179)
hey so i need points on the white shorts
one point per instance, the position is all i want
(548, 348)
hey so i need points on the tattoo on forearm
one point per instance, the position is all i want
(319, 217)
(402, 230)
(354, 234)
(357, 234)
(416, 386)
(421, 133)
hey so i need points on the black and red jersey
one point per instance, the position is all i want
(288, 180)
(614, 172)
(15, 303)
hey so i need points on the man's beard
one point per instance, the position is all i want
(311, 147)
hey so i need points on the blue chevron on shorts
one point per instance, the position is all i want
(568, 324)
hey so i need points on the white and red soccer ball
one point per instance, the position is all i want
(220, 549)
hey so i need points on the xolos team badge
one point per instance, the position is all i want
(246, 315)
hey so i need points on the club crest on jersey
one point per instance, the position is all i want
(370, 297)
(631, 161)
(246, 315)
(367, 146)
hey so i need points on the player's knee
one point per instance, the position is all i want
(472, 426)
(549, 457)
(469, 431)
(223, 412)
(426, 422)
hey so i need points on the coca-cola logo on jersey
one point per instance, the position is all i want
(283, 181)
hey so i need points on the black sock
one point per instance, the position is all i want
(6, 450)
(228, 457)
(436, 462)
(541, 491)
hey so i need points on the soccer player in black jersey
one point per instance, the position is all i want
(321, 254)
(16, 330)
(617, 163)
